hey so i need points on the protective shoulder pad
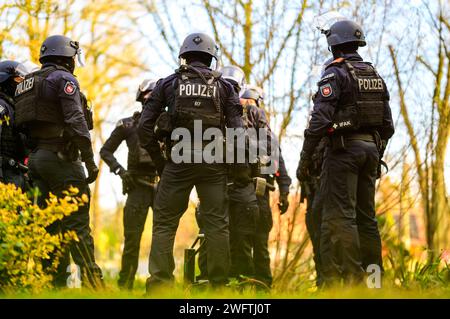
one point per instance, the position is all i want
(69, 77)
(335, 62)
(326, 78)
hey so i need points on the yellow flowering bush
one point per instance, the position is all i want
(24, 241)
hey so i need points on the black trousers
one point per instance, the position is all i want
(171, 202)
(244, 215)
(349, 238)
(139, 200)
(261, 256)
(313, 220)
(250, 225)
(52, 174)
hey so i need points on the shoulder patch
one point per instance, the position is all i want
(327, 77)
(326, 90)
(70, 88)
(4, 115)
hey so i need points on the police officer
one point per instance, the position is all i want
(313, 216)
(193, 92)
(251, 99)
(241, 203)
(54, 114)
(309, 191)
(352, 108)
(138, 182)
(12, 148)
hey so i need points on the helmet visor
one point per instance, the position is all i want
(81, 60)
(215, 64)
(145, 85)
(25, 68)
(324, 21)
(235, 74)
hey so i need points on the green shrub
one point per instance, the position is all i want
(24, 241)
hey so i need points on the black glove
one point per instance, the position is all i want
(283, 204)
(303, 169)
(159, 166)
(128, 181)
(92, 171)
(241, 175)
(159, 161)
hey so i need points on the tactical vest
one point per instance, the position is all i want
(197, 98)
(8, 138)
(364, 108)
(31, 105)
(138, 157)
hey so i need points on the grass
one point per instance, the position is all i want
(180, 292)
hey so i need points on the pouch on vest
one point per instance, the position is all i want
(365, 108)
(197, 98)
(30, 104)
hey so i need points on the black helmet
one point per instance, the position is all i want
(146, 86)
(59, 45)
(234, 73)
(253, 92)
(199, 42)
(345, 31)
(8, 69)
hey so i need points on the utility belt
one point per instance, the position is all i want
(144, 179)
(338, 141)
(367, 137)
(65, 150)
(261, 186)
(51, 147)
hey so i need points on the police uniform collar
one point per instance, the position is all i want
(352, 56)
(198, 64)
(49, 64)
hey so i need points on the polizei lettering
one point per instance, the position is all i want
(370, 84)
(198, 90)
(24, 86)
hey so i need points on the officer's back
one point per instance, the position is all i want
(352, 109)
(193, 93)
(53, 113)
